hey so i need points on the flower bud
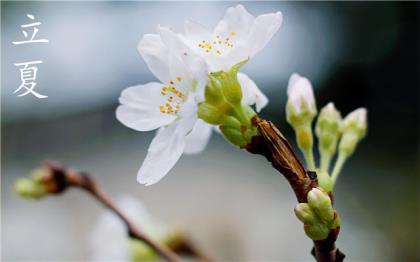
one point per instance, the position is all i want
(317, 231)
(356, 121)
(30, 188)
(210, 113)
(328, 128)
(213, 91)
(233, 135)
(231, 88)
(354, 130)
(304, 213)
(140, 251)
(320, 202)
(300, 107)
(325, 182)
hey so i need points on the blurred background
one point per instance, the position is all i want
(233, 203)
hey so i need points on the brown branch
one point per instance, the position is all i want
(60, 178)
(274, 146)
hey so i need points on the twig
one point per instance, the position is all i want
(61, 178)
(274, 146)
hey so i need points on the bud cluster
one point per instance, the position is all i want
(317, 215)
(332, 132)
(222, 106)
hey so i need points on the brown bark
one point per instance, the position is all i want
(274, 146)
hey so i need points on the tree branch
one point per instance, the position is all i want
(274, 146)
(61, 178)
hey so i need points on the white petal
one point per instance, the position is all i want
(183, 61)
(155, 54)
(197, 140)
(300, 88)
(251, 94)
(164, 151)
(237, 19)
(139, 107)
(188, 115)
(195, 32)
(263, 29)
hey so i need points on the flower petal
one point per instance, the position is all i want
(263, 29)
(195, 32)
(238, 20)
(251, 94)
(139, 107)
(300, 88)
(155, 54)
(184, 62)
(164, 151)
(197, 140)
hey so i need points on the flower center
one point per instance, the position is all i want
(174, 98)
(218, 45)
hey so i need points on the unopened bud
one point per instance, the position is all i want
(210, 113)
(354, 130)
(140, 251)
(304, 213)
(325, 182)
(233, 135)
(328, 128)
(320, 202)
(30, 188)
(231, 88)
(317, 231)
(213, 91)
(300, 107)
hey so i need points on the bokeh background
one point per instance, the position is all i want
(232, 203)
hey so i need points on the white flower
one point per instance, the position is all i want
(108, 239)
(236, 38)
(301, 95)
(170, 105)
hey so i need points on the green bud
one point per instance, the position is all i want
(210, 114)
(356, 121)
(325, 182)
(348, 143)
(233, 135)
(320, 202)
(354, 130)
(328, 128)
(305, 214)
(140, 251)
(213, 91)
(317, 231)
(230, 86)
(232, 122)
(30, 188)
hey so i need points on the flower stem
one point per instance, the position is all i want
(338, 166)
(325, 160)
(310, 160)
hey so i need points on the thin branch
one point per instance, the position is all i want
(274, 146)
(60, 178)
